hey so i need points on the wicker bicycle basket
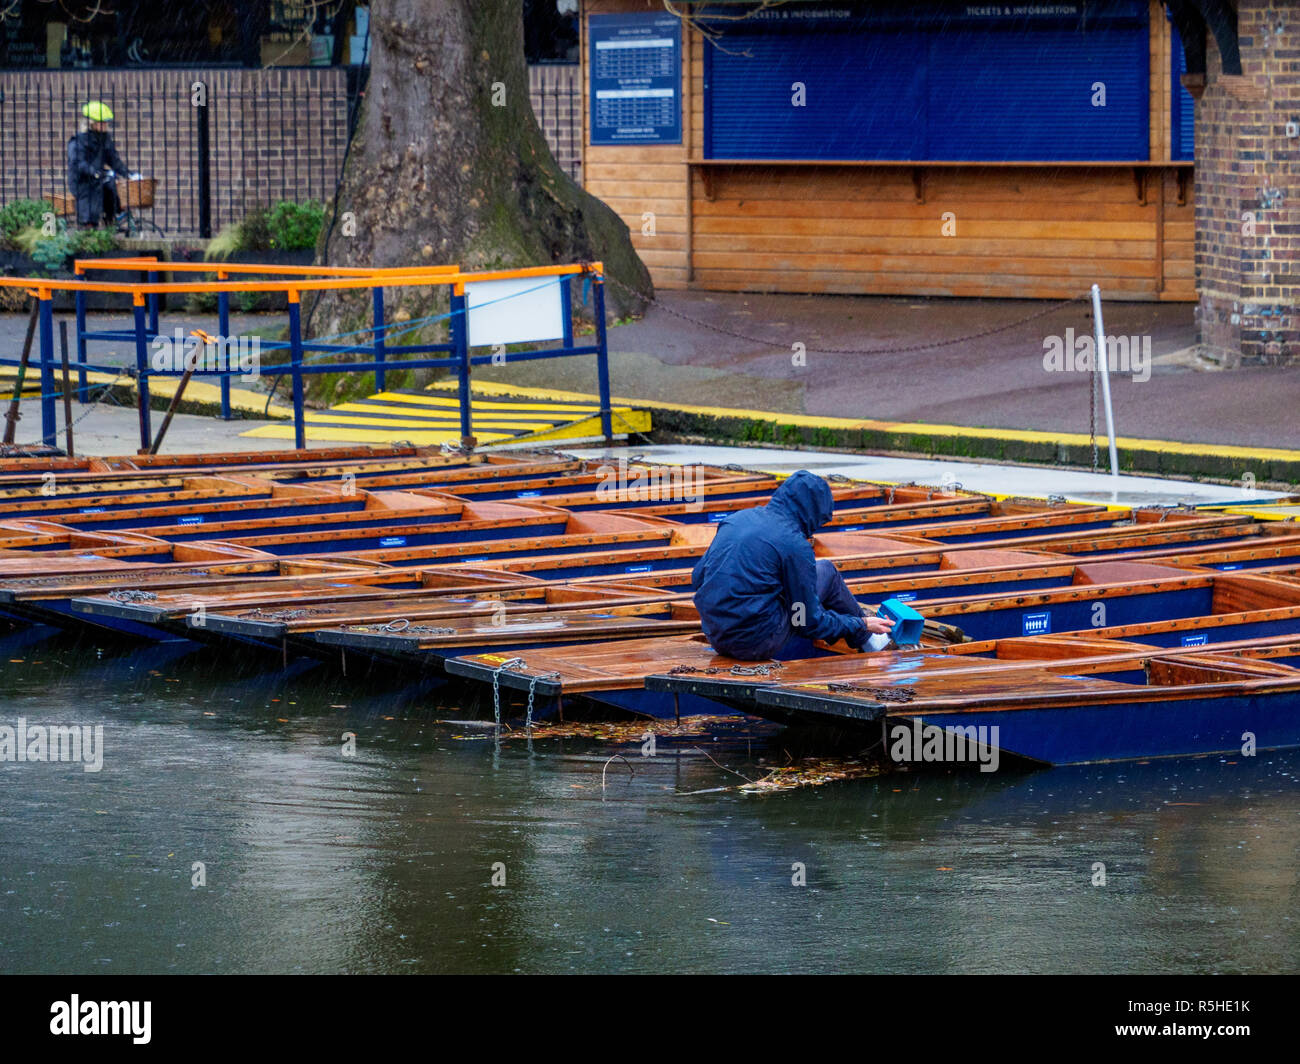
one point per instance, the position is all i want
(132, 194)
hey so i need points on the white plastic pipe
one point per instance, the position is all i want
(1103, 361)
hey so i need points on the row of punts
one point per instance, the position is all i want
(1076, 632)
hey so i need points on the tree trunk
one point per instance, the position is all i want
(448, 165)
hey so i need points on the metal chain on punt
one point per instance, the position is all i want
(895, 350)
(756, 670)
(125, 595)
(403, 625)
(513, 663)
(880, 694)
(532, 686)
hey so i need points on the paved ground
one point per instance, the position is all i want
(998, 381)
(995, 381)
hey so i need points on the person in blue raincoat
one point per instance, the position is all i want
(759, 584)
(93, 166)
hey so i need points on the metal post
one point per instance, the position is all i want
(83, 389)
(66, 389)
(49, 408)
(380, 375)
(460, 344)
(566, 308)
(153, 304)
(205, 165)
(223, 330)
(1102, 366)
(602, 358)
(142, 371)
(295, 368)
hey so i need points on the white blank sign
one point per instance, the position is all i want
(515, 311)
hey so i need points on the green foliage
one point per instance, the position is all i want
(51, 253)
(254, 230)
(95, 241)
(286, 226)
(19, 215)
(295, 226)
(225, 243)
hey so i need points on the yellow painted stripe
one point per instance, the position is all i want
(922, 428)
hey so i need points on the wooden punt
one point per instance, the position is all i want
(428, 467)
(899, 551)
(1163, 705)
(424, 646)
(439, 594)
(656, 558)
(201, 499)
(1187, 609)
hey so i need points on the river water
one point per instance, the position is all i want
(230, 772)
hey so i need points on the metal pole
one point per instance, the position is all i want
(205, 176)
(13, 414)
(1102, 366)
(49, 408)
(460, 343)
(295, 368)
(380, 375)
(67, 390)
(602, 358)
(223, 329)
(153, 304)
(142, 372)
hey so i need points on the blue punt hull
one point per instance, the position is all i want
(1137, 729)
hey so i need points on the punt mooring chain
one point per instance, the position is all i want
(401, 624)
(894, 350)
(513, 663)
(880, 694)
(132, 595)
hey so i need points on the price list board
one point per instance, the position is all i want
(636, 79)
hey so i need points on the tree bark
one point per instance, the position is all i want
(448, 165)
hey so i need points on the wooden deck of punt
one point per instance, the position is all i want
(731, 683)
(315, 516)
(426, 645)
(385, 515)
(415, 466)
(46, 583)
(310, 602)
(1185, 605)
(898, 551)
(1166, 705)
(234, 494)
(1190, 609)
(394, 615)
(135, 473)
(20, 470)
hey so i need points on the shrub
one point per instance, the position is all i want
(19, 215)
(51, 253)
(295, 226)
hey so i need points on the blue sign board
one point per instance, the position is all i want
(1036, 623)
(636, 79)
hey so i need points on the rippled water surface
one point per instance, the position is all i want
(383, 862)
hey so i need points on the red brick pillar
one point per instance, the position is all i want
(1248, 192)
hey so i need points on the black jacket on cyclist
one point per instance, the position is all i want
(88, 153)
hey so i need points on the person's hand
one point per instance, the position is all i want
(878, 625)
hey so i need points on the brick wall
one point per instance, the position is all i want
(273, 134)
(1248, 193)
(557, 101)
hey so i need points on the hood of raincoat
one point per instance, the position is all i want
(806, 499)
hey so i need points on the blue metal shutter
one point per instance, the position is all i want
(864, 95)
(983, 94)
(1027, 95)
(1184, 107)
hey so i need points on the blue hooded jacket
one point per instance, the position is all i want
(759, 565)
